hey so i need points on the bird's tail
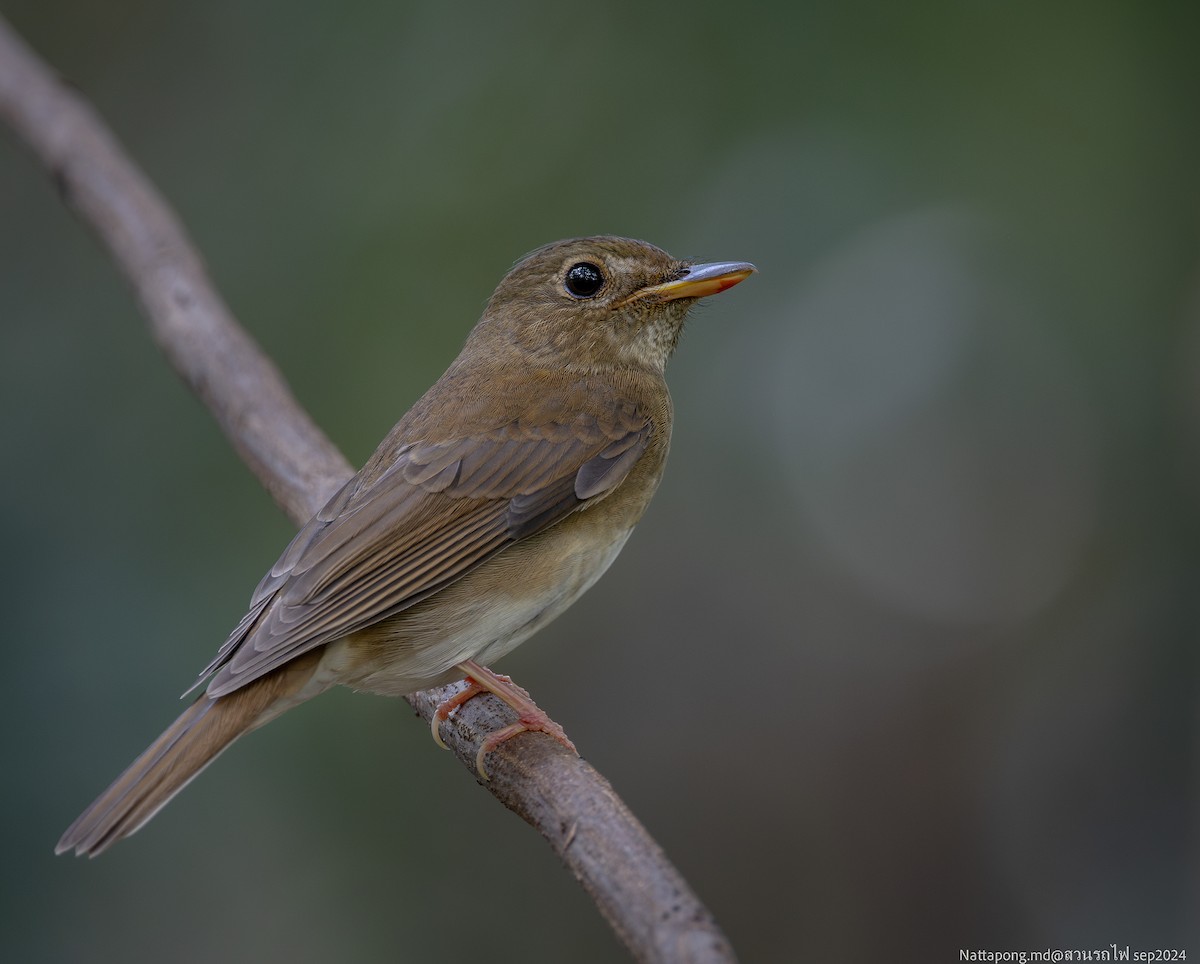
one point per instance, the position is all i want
(189, 744)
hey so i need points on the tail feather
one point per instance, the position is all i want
(177, 757)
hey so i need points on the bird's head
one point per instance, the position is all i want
(600, 302)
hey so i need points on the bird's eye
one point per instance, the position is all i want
(584, 279)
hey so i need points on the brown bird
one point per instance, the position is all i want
(501, 496)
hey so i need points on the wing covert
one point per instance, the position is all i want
(439, 510)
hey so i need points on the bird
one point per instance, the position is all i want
(498, 499)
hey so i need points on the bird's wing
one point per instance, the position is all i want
(439, 510)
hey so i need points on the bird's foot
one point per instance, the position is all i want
(447, 707)
(530, 717)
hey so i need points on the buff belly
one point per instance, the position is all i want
(483, 616)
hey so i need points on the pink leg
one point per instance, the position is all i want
(480, 679)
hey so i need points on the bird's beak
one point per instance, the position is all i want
(697, 281)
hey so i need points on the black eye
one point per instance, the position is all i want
(584, 279)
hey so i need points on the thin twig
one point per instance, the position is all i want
(643, 897)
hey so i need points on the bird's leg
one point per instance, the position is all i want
(446, 707)
(480, 679)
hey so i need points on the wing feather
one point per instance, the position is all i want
(438, 511)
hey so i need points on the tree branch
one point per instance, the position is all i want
(644, 898)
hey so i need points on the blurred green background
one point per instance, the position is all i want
(902, 660)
